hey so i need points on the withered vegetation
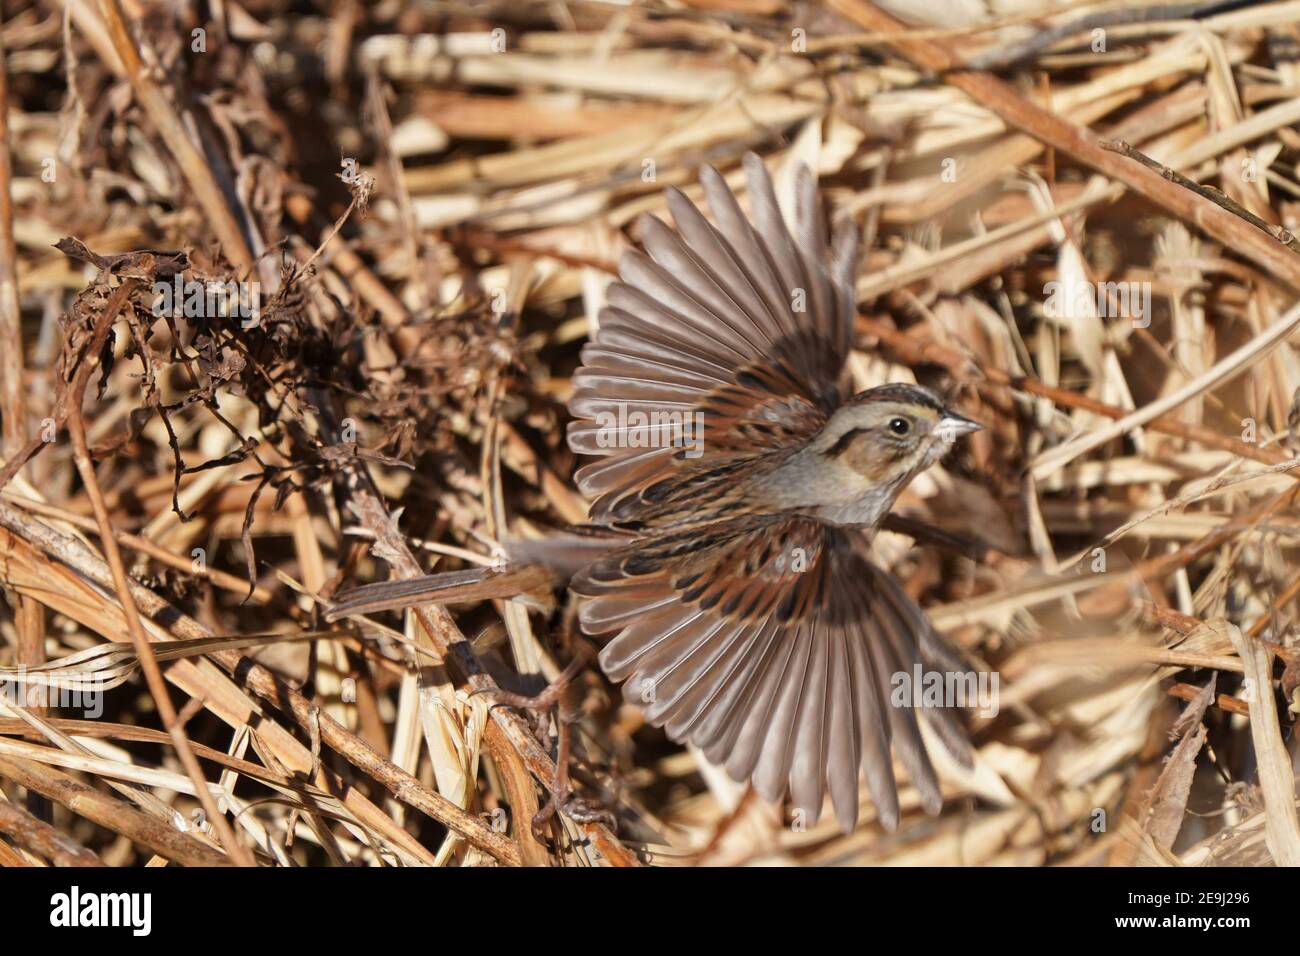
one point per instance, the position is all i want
(382, 234)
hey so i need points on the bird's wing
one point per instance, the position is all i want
(773, 644)
(738, 325)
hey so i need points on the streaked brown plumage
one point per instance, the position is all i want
(736, 589)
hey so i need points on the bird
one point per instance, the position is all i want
(736, 486)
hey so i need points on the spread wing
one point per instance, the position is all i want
(771, 643)
(738, 323)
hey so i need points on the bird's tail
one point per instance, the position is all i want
(449, 587)
(536, 566)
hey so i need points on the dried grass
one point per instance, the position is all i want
(182, 496)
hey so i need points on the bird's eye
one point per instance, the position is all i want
(900, 426)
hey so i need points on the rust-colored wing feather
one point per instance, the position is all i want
(770, 643)
(737, 321)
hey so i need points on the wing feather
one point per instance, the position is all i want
(905, 733)
(747, 248)
(707, 691)
(778, 248)
(732, 320)
(718, 731)
(631, 333)
(601, 476)
(774, 737)
(844, 739)
(781, 676)
(673, 296)
(877, 766)
(808, 764)
(728, 272)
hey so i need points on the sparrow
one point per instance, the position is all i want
(737, 484)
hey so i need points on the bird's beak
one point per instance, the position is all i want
(952, 426)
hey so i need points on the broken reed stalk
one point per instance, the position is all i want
(1077, 142)
(173, 131)
(1219, 198)
(113, 814)
(288, 700)
(29, 615)
(232, 239)
(39, 837)
(13, 406)
(1044, 39)
(143, 649)
(279, 694)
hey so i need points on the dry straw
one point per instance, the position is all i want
(181, 497)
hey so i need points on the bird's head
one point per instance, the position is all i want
(889, 433)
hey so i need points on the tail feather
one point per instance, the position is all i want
(537, 565)
(449, 587)
(566, 554)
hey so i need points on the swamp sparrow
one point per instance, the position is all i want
(738, 485)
